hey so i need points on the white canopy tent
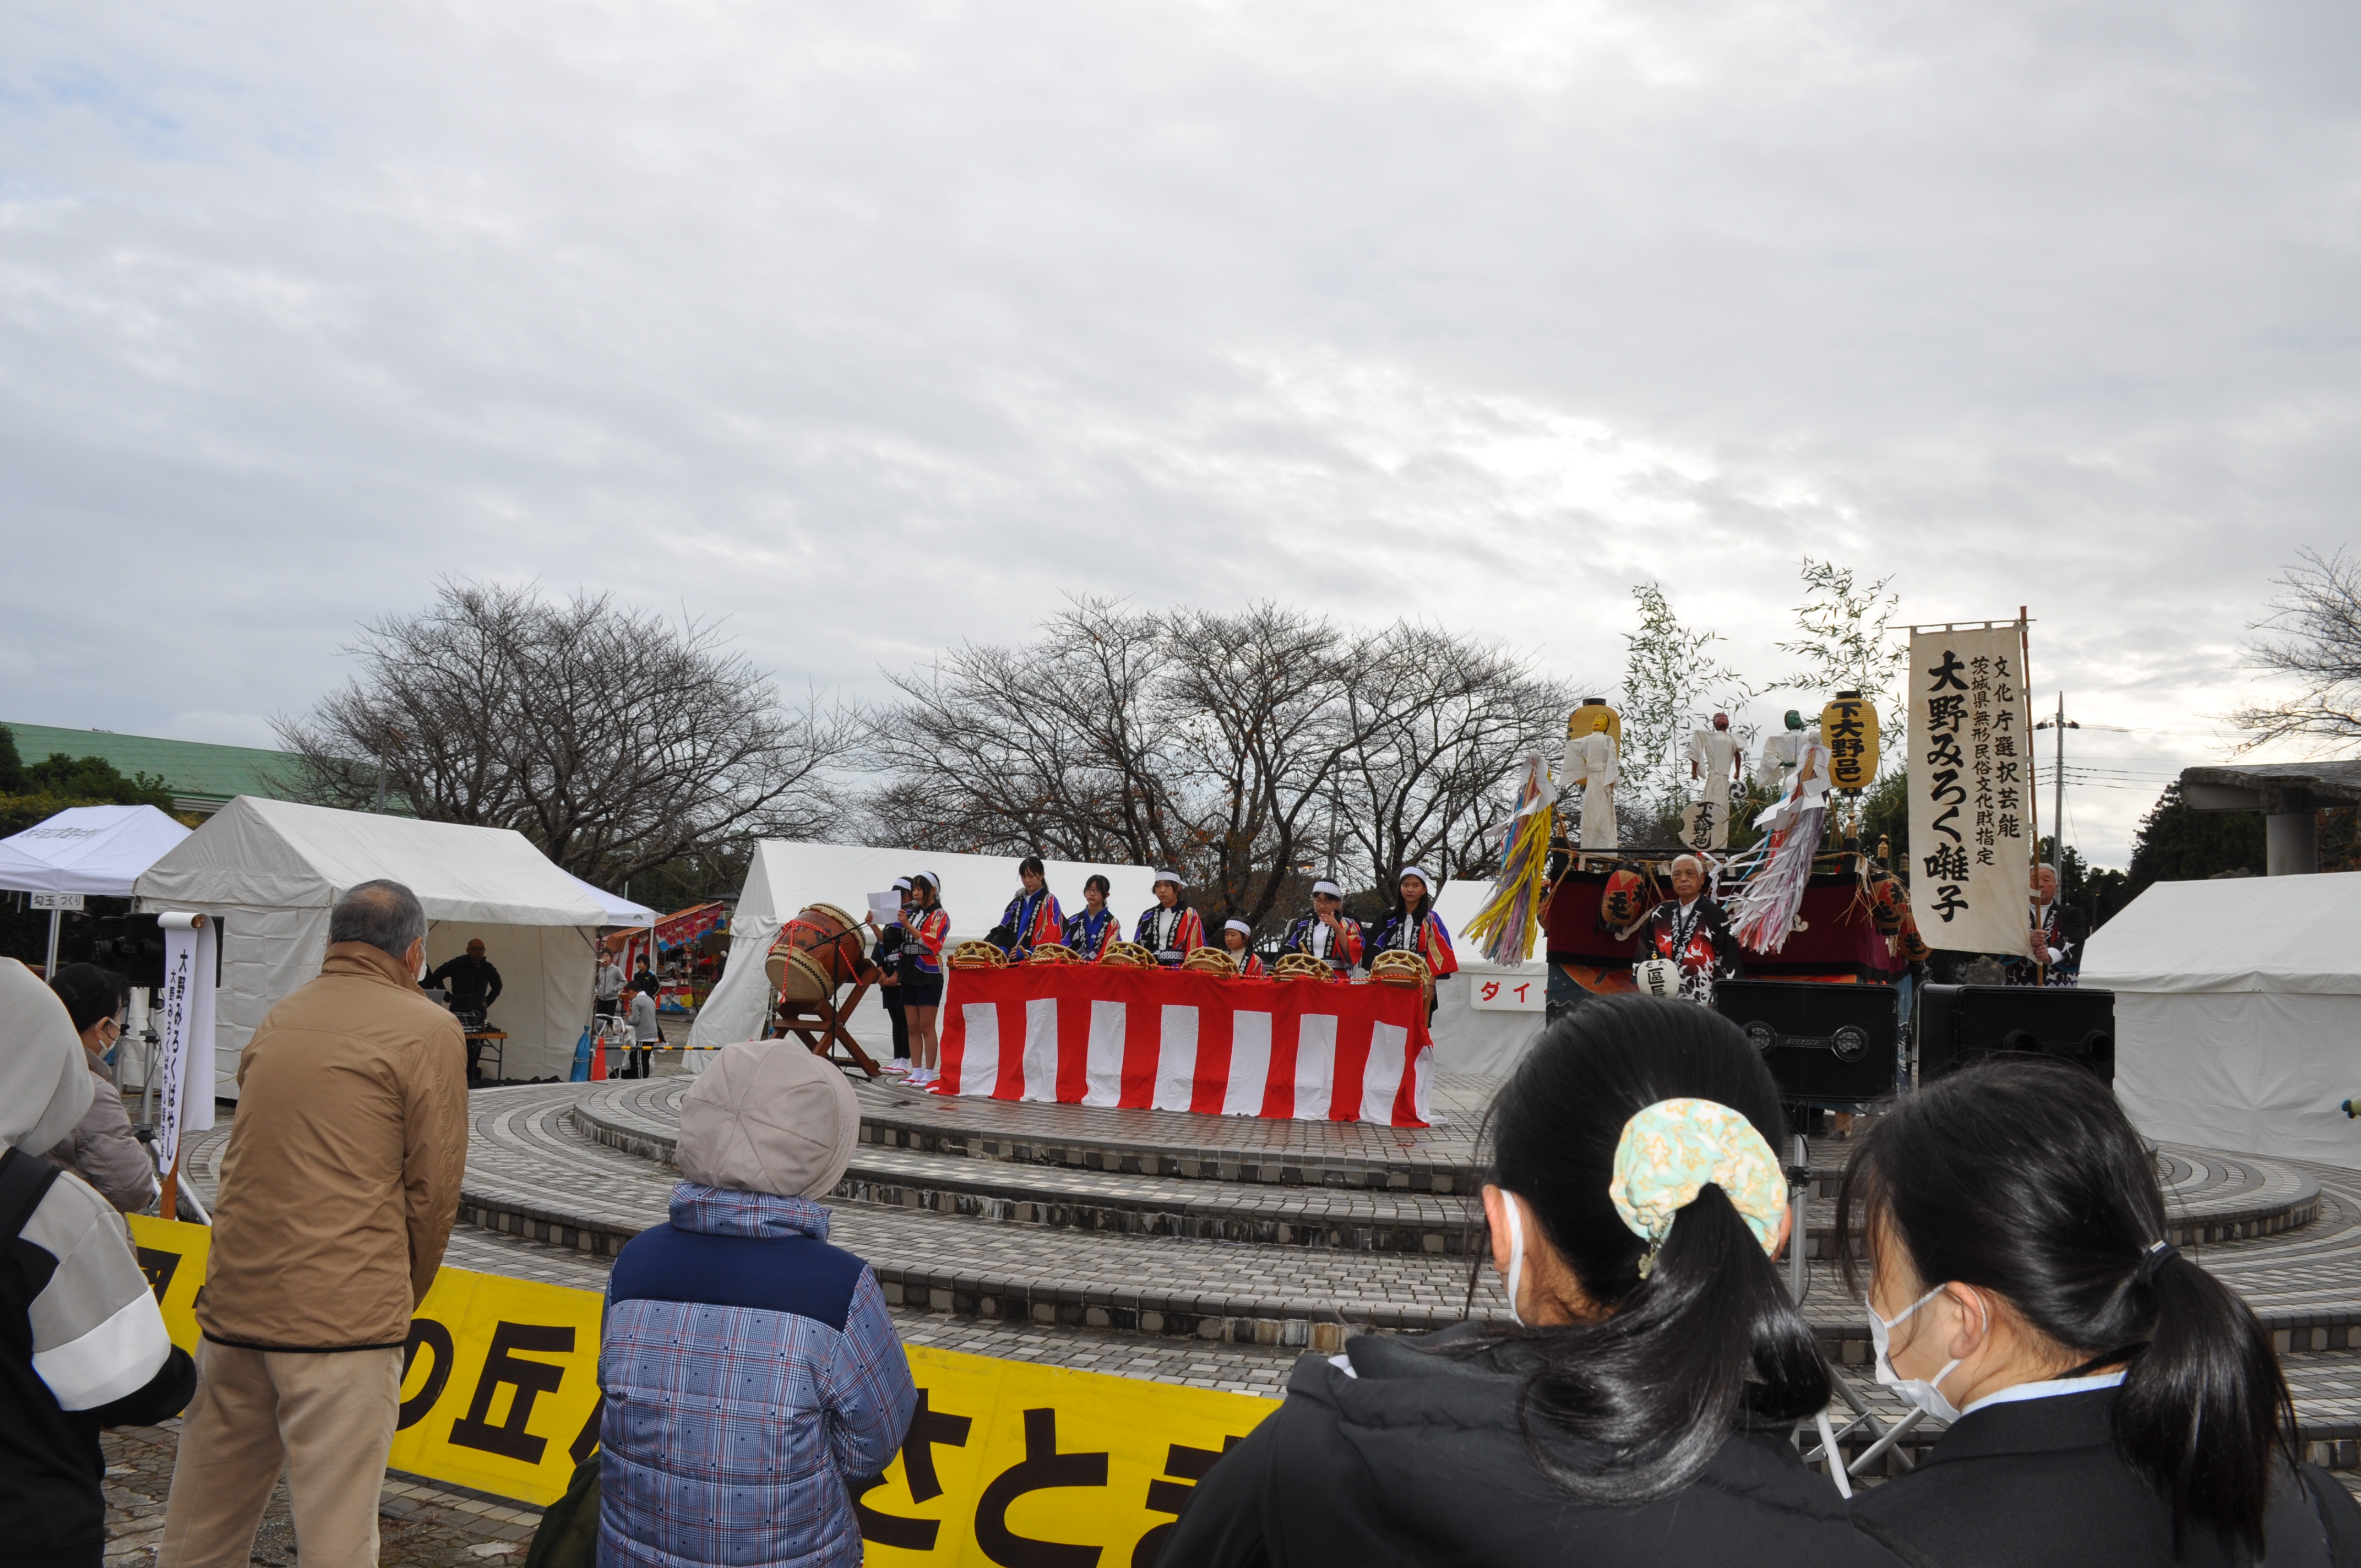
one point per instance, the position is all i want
(88, 849)
(2238, 1012)
(1470, 1038)
(272, 870)
(619, 910)
(787, 876)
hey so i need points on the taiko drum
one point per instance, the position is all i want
(816, 951)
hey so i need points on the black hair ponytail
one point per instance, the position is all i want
(1708, 1341)
(2024, 1177)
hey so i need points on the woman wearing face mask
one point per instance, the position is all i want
(2110, 1402)
(1639, 1410)
(100, 1149)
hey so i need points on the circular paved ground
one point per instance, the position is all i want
(1139, 1239)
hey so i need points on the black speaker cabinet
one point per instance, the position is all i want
(1827, 1045)
(1960, 1024)
(133, 946)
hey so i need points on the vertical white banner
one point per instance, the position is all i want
(184, 1069)
(1971, 789)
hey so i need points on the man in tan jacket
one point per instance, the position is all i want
(337, 1195)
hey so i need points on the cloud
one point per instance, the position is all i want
(875, 328)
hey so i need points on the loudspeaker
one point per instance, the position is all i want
(1960, 1024)
(133, 946)
(1827, 1045)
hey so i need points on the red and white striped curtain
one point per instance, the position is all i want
(1092, 1035)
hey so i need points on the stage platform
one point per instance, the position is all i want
(1108, 1234)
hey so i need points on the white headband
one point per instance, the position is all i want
(1172, 877)
(901, 884)
(1330, 888)
(1240, 927)
(1418, 871)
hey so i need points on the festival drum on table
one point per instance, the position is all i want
(977, 955)
(1053, 953)
(816, 951)
(1211, 960)
(1300, 966)
(1128, 954)
(1398, 966)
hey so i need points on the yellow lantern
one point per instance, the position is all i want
(1848, 729)
(1578, 723)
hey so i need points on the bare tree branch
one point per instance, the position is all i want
(2318, 615)
(614, 740)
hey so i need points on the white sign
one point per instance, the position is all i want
(1971, 789)
(57, 900)
(184, 1007)
(1504, 994)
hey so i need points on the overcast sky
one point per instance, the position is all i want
(872, 327)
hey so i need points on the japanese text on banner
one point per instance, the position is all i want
(1971, 789)
(1006, 1463)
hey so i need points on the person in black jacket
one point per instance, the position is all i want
(1639, 1410)
(474, 985)
(888, 955)
(2110, 1402)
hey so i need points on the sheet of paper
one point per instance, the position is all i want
(885, 907)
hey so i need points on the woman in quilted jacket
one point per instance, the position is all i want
(753, 1380)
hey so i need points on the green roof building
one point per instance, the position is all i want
(202, 778)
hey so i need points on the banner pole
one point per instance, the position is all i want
(167, 1204)
(2032, 785)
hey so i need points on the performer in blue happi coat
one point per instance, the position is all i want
(1097, 928)
(1032, 917)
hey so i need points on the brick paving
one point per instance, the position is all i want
(420, 1524)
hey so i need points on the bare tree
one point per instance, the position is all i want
(1441, 725)
(1242, 750)
(1057, 747)
(613, 739)
(1257, 705)
(2317, 614)
(1191, 740)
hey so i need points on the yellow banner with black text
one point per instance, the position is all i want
(1005, 1462)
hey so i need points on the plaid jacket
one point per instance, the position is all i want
(752, 1378)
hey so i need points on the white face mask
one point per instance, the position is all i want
(1923, 1393)
(1516, 1254)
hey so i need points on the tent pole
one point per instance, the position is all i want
(52, 972)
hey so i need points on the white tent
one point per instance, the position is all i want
(1469, 1037)
(787, 876)
(88, 849)
(272, 870)
(619, 910)
(2238, 1012)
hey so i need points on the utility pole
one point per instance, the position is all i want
(2058, 794)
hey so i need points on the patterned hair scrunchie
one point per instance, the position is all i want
(1672, 1149)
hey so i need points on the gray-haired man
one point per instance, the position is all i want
(337, 1194)
(1690, 931)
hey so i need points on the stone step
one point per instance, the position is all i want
(644, 1118)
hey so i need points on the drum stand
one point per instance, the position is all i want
(802, 1018)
